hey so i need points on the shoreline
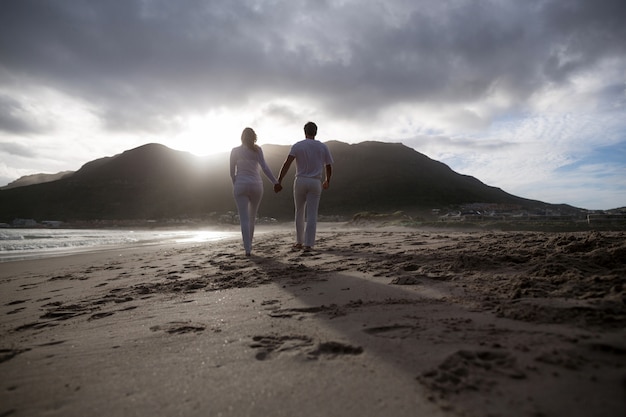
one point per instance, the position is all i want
(32, 244)
(193, 235)
(375, 321)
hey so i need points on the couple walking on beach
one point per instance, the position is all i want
(313, 161)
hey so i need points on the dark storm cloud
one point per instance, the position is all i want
(139, 62)
(15, 149)
(14, 118)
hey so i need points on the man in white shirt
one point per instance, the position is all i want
(313, 160)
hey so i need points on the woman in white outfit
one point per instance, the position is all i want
(246, 163)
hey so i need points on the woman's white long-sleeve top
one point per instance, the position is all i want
(246, 165)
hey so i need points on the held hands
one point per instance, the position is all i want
(278, 188)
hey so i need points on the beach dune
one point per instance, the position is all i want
(375, 321)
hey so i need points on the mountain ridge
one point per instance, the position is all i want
(153, 181)
(35, 179)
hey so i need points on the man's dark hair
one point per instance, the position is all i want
(310, 129)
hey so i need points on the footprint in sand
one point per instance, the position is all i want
(331, 310)
(179, 327)
(16, 302)
(53, 343)
(271, 346)
(394, 331)
(35, 326)
(100, 315)
(333, 349)
(467, 370)
(8, 354)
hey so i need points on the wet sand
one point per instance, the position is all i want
(374, 321)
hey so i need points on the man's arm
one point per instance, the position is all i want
(329, 173)
(283, 172)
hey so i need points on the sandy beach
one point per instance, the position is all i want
(376, 321)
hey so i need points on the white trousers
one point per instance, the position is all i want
(306, 196)
(248, 198)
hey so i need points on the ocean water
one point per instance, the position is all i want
(20, 244)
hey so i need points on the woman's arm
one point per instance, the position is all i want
(233, 163)
(266, 170)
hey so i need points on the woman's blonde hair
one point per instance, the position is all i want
(248, 138)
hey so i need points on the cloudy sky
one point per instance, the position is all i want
(528, 96)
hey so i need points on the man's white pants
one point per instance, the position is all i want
(306, 196)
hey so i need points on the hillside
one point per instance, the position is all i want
(156, 182)
(35, 179)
